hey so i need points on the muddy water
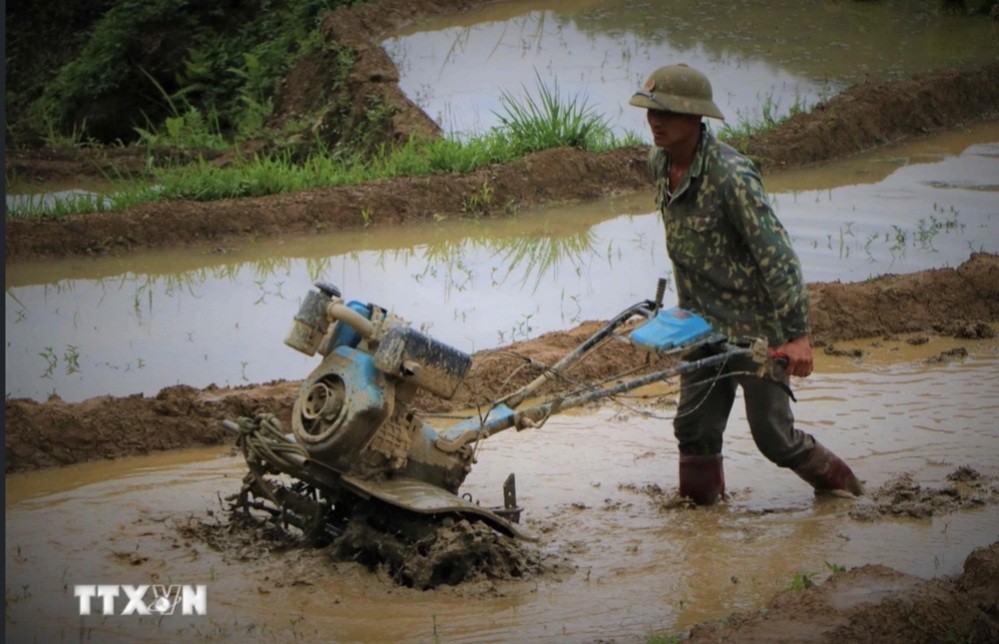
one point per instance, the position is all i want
(756, 52)
(632, 569)
(82, 327)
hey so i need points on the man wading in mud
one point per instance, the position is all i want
(734, 266)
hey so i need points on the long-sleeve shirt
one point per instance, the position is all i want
(732, 259)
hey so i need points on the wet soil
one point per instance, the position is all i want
(453, 553)
(903, 496)
(900, 496)
(874, 603)
(423, 554)
(416, 554)
(866, 604)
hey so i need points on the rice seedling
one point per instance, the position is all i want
(550, 120)
(802, 580)
(769, 118)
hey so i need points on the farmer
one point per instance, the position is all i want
(734, 266)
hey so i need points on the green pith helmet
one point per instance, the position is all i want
(680, 89)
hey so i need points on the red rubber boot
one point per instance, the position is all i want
(702, 478)
(827, 472)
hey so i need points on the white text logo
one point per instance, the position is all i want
(142, 600)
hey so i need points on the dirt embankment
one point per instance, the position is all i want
(874, 603)
(953, 302)
(864, 116)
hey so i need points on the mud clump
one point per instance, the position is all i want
(831, 350)
(421, 552)
(902, 496)
(238, 534)
(663, 498)
(951, 355)
(448, 553)
(972, 331)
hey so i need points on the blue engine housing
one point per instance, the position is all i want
(671, 329)
(341, 405)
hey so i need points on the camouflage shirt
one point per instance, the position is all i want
(732, 259)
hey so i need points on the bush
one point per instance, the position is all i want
(148, 60)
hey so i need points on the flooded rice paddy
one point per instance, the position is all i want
(759, 54)
(82, 327)
(629, 567)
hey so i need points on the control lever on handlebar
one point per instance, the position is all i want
(782, 360)
(660, 292)
(779, 358)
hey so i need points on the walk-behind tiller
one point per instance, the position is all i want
(357, 441)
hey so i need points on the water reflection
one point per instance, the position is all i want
(137, 332)
(81, 327)
(786, 51)
(920, 216)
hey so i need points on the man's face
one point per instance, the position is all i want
(668, 128)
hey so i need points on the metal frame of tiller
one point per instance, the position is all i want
(422, 468)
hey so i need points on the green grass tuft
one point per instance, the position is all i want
(770, 118)
(550, 120)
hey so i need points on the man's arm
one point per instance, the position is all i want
(770, 246)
